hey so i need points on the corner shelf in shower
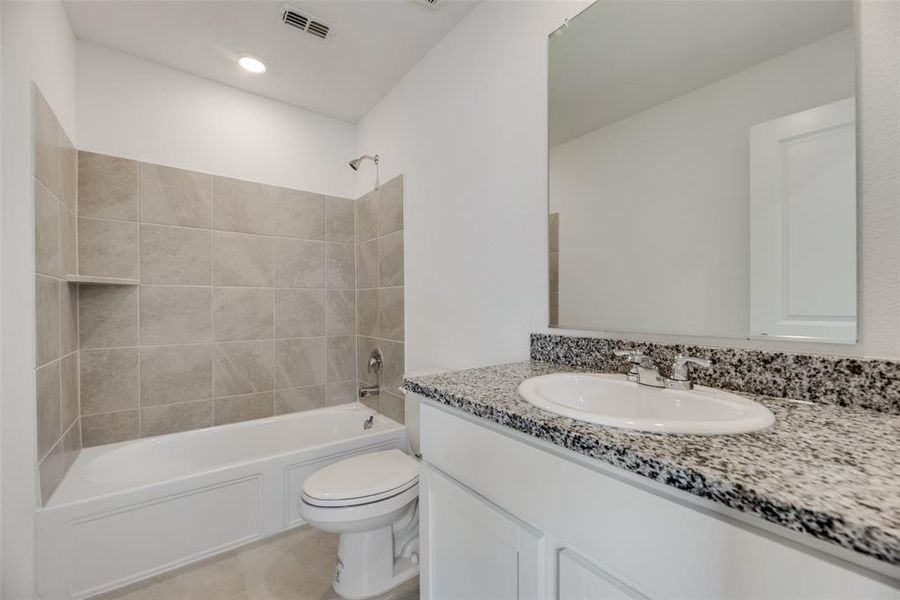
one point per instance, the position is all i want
(97, 280)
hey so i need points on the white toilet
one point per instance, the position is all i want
(371, 500)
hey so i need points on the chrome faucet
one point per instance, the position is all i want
(374, 366)
(644, 370)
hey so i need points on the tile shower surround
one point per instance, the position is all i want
(379, 234)
(246, 306)
(835, 380)
(56, 323)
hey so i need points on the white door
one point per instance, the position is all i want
(803, 225)
(473, 550)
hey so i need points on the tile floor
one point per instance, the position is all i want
(293, 566)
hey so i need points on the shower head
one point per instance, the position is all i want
(354, 164)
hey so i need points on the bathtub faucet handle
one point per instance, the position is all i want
(375, 362)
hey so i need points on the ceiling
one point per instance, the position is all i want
(618, 58)
(371, 46)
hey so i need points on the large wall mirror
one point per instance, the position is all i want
(703, 169)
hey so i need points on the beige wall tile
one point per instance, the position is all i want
(47, 318)
(48, 407)
(299, 313)
(300, 398)
(299, 362)
(107, 186)
(340, 266)
(554, 270)
(554, 308)
(46, 230)
(366, 217)
(392, 406)
(172, 315)
(171, 196)
(176, 255)
(390, 259)
(107, 248)
(341, 312)
(341, 392)
(339, 220)
(48, 145)
(243, 206)
(553, 232)
(367, 261)
(55, 465)
(243, 408)
(243, 313)
(69, 175)
(244, 259)
(68, 390)
(68, 244)
(109, 428)
(367, 311)
(341, 358)
(390, 310)
(243, 368)
(108, 316)
(299, 263)
(370, 402)
(109, 380)
(170, 418)
(394, 365)
(68, 317)
(390, 206)
(364, 347)
(176, 373)
(300, 215)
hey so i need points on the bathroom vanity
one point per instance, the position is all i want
(517, 502)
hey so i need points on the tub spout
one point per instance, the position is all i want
(369, 390)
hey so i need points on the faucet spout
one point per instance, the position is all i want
(369, 390)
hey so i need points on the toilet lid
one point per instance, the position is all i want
(370, 474)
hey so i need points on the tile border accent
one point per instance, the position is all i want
(872, 384)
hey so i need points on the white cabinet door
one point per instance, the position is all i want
(472, 550)
(580, 580)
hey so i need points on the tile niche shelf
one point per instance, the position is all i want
(98, 280)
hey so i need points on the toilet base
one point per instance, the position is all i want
(366, 566)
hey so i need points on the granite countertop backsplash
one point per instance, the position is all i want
(832, 472)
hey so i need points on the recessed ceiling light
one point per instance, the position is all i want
(253, 65)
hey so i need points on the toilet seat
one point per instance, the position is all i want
(362, 479)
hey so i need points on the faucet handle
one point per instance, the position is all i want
(632, 356)
(681, 369)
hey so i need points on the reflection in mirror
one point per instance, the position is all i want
(703, 169)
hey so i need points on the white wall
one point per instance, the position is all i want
(467, 127)
(37, 45)
(141, 110)
(660, 200)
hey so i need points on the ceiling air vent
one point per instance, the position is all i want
(305, 23)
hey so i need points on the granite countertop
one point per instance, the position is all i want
(831, 472)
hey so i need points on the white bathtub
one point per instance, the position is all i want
(130, 510)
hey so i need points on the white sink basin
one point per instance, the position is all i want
(611, 400)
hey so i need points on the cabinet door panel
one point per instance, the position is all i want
(473, 548)
(580, 580)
